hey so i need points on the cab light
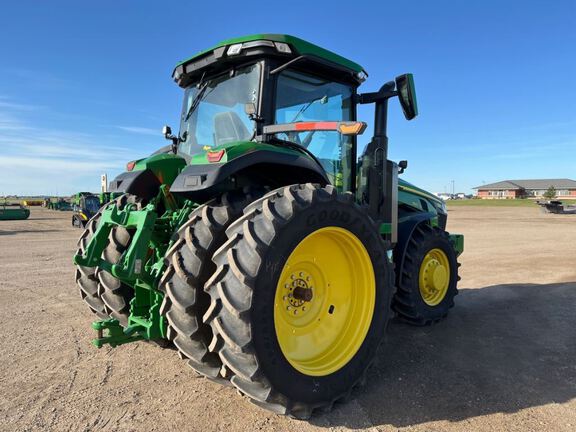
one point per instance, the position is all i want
(130, 165)
(283, 47)
(215, 156)
(351, 128)
(234, 49)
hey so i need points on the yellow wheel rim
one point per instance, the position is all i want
(324, 301)
(434, 277)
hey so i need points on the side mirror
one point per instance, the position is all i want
(402, 165)
(167, 132)
(407, 95)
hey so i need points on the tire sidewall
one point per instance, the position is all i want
(442, 243)
(281, 374)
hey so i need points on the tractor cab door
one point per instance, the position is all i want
(301, 97)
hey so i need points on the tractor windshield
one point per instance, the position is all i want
(213, 112)
(92, 204)
(303, 97)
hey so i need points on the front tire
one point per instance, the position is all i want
(300, 299)
(427, 284)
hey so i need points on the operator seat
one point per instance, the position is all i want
(228, 127)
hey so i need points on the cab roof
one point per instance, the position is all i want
(297, 47)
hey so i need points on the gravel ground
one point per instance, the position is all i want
(504, 360)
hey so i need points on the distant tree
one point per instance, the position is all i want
(550, 193)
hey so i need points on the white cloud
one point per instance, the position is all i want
(140, 130)
(42, 160)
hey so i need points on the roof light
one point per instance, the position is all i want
(283, 47)
(234, 49)
(130, 165)
(257, 43)
(237, 48)
(362, 75)
(215, 156)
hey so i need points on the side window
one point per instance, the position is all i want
(301, 97)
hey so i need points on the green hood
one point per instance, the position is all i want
(409, 187)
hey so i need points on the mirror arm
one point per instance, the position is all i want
(386, 92)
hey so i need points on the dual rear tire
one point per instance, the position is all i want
(105, 295)
(297, 299)
(189, 265)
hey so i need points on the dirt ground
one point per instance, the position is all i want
(504, 360)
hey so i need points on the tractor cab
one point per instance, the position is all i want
(235, 90)
(86, 205)
(261, 101)
(223, 111)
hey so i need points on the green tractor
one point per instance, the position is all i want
(60, 204)
(256, 242)
(85, 205)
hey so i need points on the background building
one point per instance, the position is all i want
(565, 188)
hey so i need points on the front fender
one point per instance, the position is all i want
(143, 184)
(262, 168)
(148, 175)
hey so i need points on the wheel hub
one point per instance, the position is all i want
(434, 277)
(298, 290)
(324, 301)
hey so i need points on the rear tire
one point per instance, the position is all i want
(115, 294)
(418, 301)
(109, 299)
(85, 276)
(248, 310)
(189, 267)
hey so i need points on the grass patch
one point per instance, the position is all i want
(500, 203)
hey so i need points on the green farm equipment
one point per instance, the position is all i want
(85, 206)
(76, 199)
(257, 242)
(13, 211)
(60, 204)
(105, 197)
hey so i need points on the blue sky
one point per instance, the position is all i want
(86, 86)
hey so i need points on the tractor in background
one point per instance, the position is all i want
(84, 205)
(60, 204)
(256, 242)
